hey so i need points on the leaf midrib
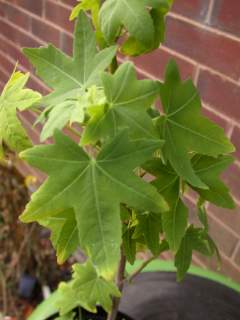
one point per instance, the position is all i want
(65, 74)
(131, 189)
(194, 132)
(98, 210)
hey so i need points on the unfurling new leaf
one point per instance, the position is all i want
(127, 102)
(71, 78)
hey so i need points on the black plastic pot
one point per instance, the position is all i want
(100, 315)
(157, 296)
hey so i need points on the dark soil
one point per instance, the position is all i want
(100, 315)
(27, 259)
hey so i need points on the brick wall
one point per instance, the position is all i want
(202, 35)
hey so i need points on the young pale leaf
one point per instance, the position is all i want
(70, 77)
(64, 233)
(14, 97)
(208, 170)
(94, 7)
(184, 128)
(174, 222)
(87, 289)
(128, 100)
(86, 5)
(94, 188)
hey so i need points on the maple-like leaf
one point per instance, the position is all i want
(94, 188)
(64, 233)
(86, 289)
(70, 78)
(127, 101)
(149, 226)
(174, 222)
(209, 169)
(184, 129)
(195, 239)
(14, 97)
(132, 46)
(136, 18)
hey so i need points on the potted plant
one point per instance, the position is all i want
(117, 188)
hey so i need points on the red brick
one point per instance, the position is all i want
(232, 178)
(231, 218)
(227, 268)
(18, 17)
(221, 94)
(59, 15)
(194, 9)
(9, 31)
(71, 3)
(36, 85)
(156, 61)
(6, 64)
(1, 85)
(236, 141)
(206, 47)
(34, 6)
(3, 76)
(45, 32)
(225, 240)
(218, 120)
(14, 52)
(2, 9)
(226, 15)
(66, 43)
(237, 256)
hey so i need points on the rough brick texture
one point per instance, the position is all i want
(204, 38)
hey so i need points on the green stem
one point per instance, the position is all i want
(140, 269)
(120, 282)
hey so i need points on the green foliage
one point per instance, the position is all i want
(64, 233)
(71, 78)
(195, 239)
(14, 97)
(174, 222)
(93, 6)
(184, 129)
(120, 187)
(209, 169)
(87, 289)
(145, 28)
(127, 101)
(69, 316)
(103, 187)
